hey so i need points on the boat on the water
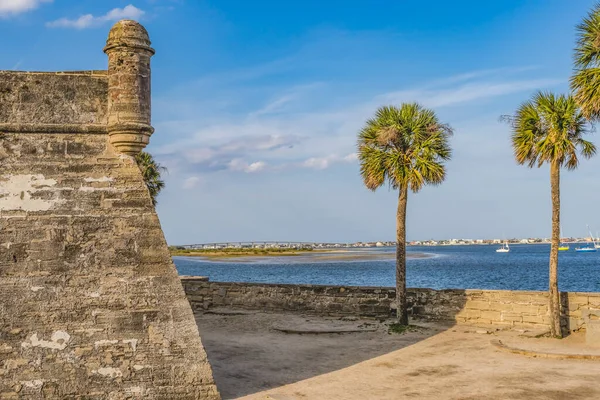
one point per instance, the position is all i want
(590, 247)
(563, 246)
(503, 249)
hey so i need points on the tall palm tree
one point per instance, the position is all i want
(151, 172)
(549, 129)
(405, 147)
(585, 81)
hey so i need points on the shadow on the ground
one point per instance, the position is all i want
(249, 356)
(565, 321)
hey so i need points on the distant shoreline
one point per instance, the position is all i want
(232, 255)
(243, 252)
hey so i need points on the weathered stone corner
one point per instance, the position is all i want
(91, 305)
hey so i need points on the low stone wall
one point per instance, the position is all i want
(475, 307)
(324, 300)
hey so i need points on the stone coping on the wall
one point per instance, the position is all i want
(98, 72)
(52, 128)
(193, 278)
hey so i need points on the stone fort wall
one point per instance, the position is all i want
(91, 306)
(475, 307)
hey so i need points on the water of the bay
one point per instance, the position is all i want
(463, 267)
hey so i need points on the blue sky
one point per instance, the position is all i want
(257, 105)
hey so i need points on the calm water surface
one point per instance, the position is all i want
(464, 267)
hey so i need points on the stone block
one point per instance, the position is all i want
(591, 318)
(576, 313)
(491, 315)
(592, 333)
(536, 319)
(577, 300)
(477, 305)
(499, 306)
(528, 309)
(574, 324)
(594, 300)
(502, 323)
(370, 301)
(470, 313)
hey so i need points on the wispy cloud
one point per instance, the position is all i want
(191, 182)
(308, 126)
(274, 105)
(13, 7)
(229, 154)
(279, 103)
(248, 73)
(328, 161)
(466, 93)
(241, 165)
(483, 73)
(91, 21)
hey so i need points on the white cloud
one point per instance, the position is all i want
(328, 161)
(191, 182)
(351, 157)
(242, 166)
(90, 21)
(316, 163)
(200, 155)
(13, 7)
(220, 155)
(129, 11)
(256, 166)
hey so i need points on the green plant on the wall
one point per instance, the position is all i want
(151, 171)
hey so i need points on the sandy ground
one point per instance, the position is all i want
(251, 359)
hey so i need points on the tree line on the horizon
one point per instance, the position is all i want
(407, 147)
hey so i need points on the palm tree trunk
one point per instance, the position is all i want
(401, 312)
(553, 283)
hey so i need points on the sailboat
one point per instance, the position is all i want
(563, 246)
(588, 248)
(597, 245)
(503, 249)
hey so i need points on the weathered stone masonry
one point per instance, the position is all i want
(475, 307)
(91, 306)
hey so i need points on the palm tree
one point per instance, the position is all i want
(549, 129)
(585, 81)
(151, 172)
(405, 147)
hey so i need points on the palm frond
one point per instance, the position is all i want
(587, 49)
(585, 84)
(151, 173)
(585, 81)
(404, 146)
(549, 128)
